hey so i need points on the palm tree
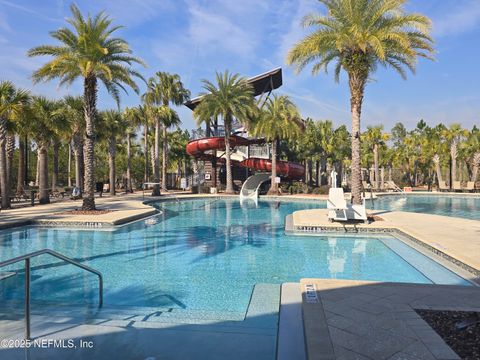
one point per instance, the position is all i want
(279, 119)
(358, 36)
(231, 97)
(454, 135)
(71, 109)
(163, 89)
(471, 148)
(89, 52)
(61, 127)
(168, 118)
(327, 144)
(375, 138)
(340, 150)
(113, 126)
(12, 103)
(133, 118)
(43, 112)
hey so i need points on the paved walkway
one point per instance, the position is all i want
(455, 237)
(346, 319)
(124, 208)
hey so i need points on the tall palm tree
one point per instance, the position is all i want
(133, 118)
(91, 52)
(454, 135)
(358, 36)
(375, 137)
(279, 119)
(71, 109)
(341, 150)
(113, 126)
(43, 130)
(168, 118)
(231, 97)
(327, 144)
(163, 89)
(61, 127)
(12, 103)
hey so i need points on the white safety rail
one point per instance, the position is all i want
(251, 186)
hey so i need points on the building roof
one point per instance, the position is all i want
(262, 83)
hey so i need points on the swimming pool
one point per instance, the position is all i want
(204, 255)
(467, 207)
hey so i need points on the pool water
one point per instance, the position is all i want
(456, 206)
(204, 255)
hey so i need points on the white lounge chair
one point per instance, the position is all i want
(391, 186)
(340, 210)
(457, 186)
(442, 186)
(470, 186)
(337, 204)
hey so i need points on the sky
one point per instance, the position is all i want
(196, 38)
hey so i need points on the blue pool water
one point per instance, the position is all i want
(456, 206)
(204, 255)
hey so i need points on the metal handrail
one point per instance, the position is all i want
(27, 258)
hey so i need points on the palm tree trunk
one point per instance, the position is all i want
(310, 172)
(4, 186)
(453, 154)
(377, 171)
(357, 86)
(111, 165)
(438, 170)
(78, 153)
(9, 150)
(90, 108)
(323, 170)
(56, 146)
(156, 164)
(164, 158)
(37, 174)
(228, 163)
(146, 173)
(476, 165)
(317, 173)
(129, 163)
(152, 158)
(273, 184)
(43, 191)
(69, 170)
(21, 166)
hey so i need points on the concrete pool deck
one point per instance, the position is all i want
(345, 319)
(123, 208)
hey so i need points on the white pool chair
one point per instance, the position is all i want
(340, 210)
(442, 186)
(457, 186)
(470, 186)
(337, 205)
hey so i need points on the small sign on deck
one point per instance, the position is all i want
(311, 294)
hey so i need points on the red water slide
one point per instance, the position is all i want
(288, 169)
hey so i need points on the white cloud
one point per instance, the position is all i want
(214, 31)
(4, 23)
(464, 18)
(129, 12)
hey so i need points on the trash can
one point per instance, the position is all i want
(99, 187)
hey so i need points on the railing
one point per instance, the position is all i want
(27, 258)
(260, 151)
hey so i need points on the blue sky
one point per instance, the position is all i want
(194, 38)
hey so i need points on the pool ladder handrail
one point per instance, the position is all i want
(27, 258)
